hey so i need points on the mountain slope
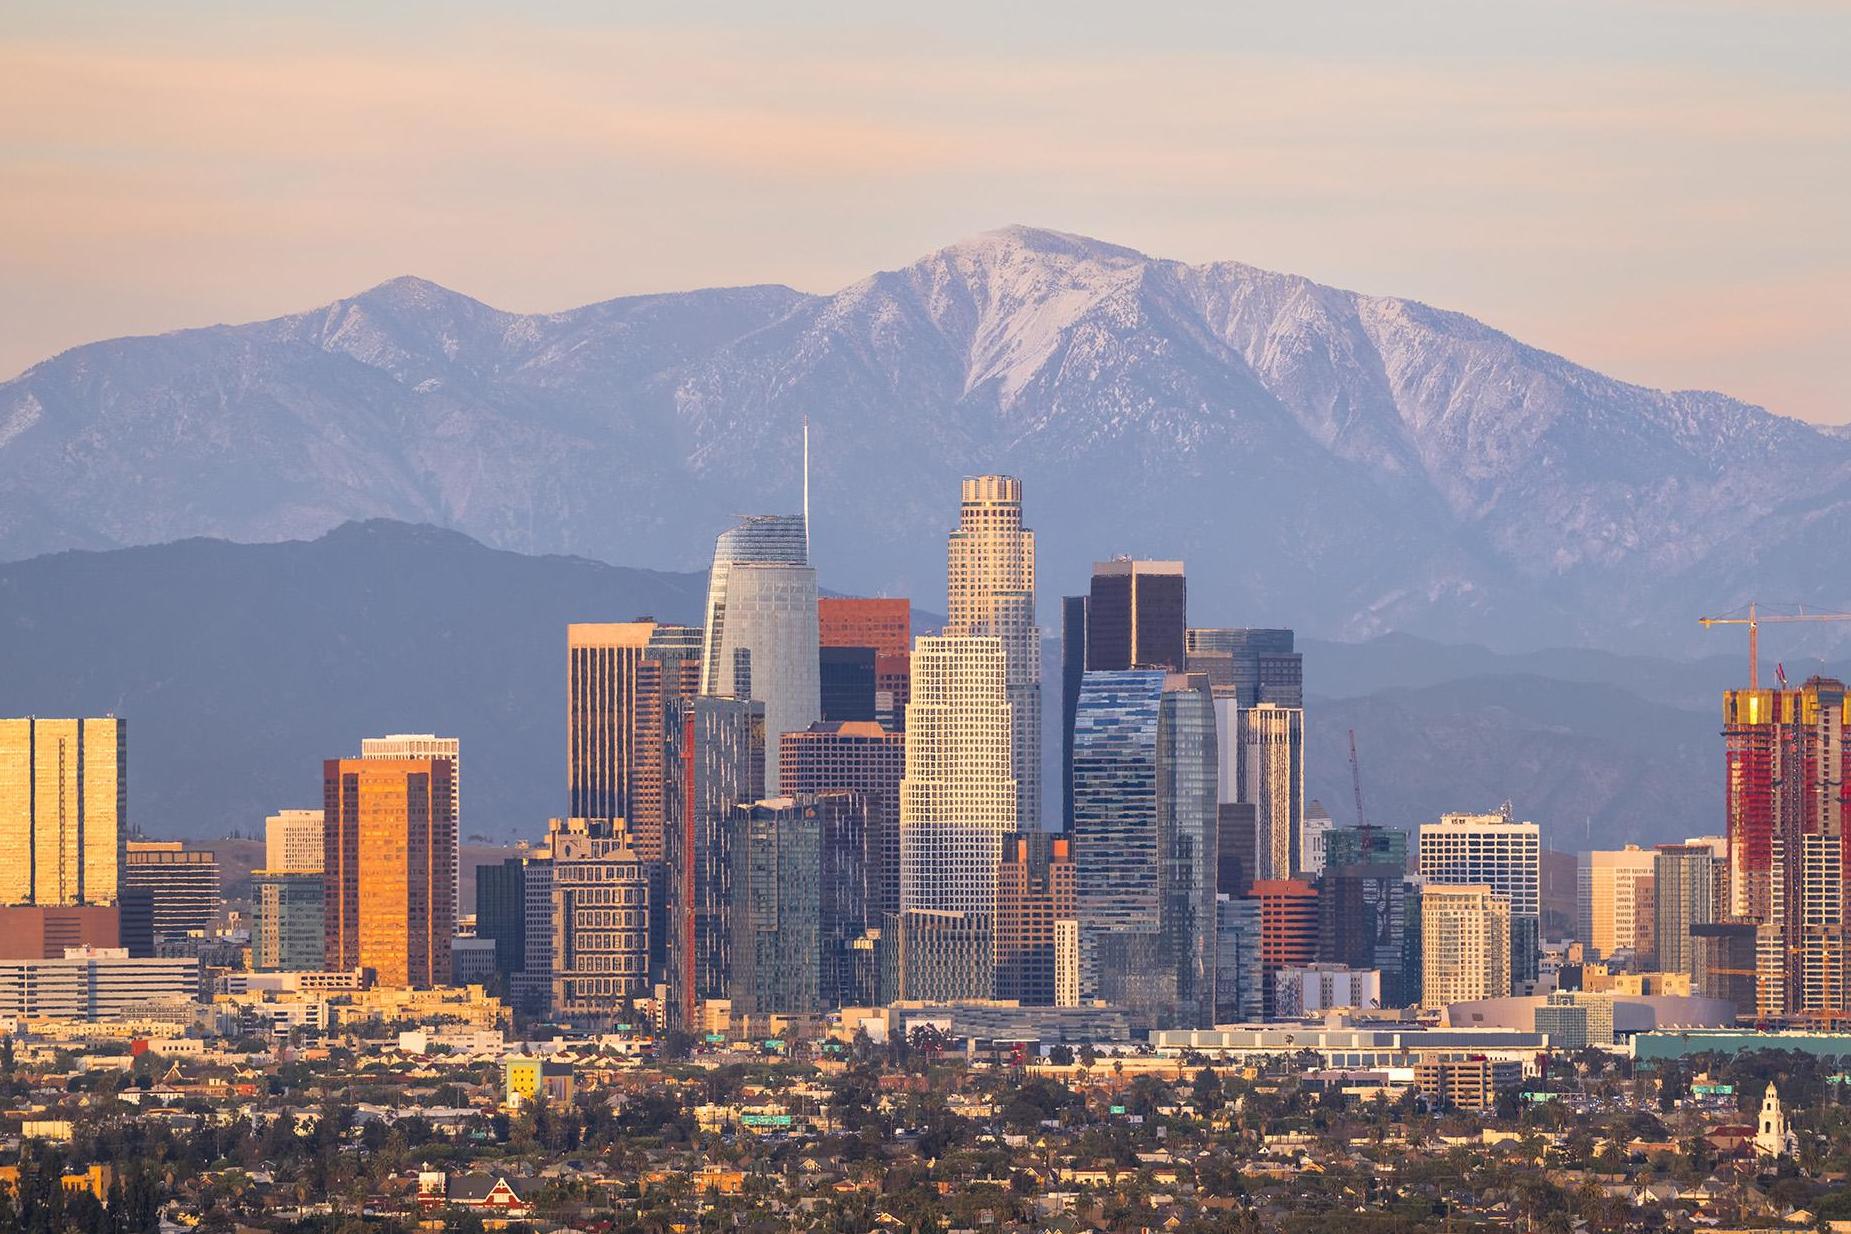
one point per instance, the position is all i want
(1348, 464)
(240, 667)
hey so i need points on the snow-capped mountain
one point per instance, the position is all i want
(1341, 462)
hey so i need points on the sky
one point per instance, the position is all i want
(1657, 189)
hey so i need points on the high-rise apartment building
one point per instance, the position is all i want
(293, 842)
(1145, 822)
(168, 891)
(1271, 777)
(1616, 903)
(388, 898)
(63, 810)
(990, 591)
(1136, 616)
(720, 761)
(600, 921)
(1496, 851)
(1684, 880)
(761, 633)
(1465, 943)
(1257, 666)
(857, 758)
(1035, 892)
(957, 805)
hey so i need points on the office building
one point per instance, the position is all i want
(428, 745)
(1449, 1082)
(720, 753)
(761, 632)
(600, 921)
(1684, 878)
(1496, 851)
(168, 891)
(288, 930)
(1145, 824)
(1035, 892)
(1271, 778)
(531, 986)
(293, 842)
(846, 677)
(1313, 829)
(957, 805)
(1235, 851)
(1255, 666)
(1616, 903)
(1312, 989)
(1352, 846)
(606, 729)
(35, 932)
(96, 983)
(388, 898)
(1135, 616)
(861, 758)
(1369, 918)
(990, 592)
(63, 810)
(1288, 931)
(1723, 963)
(1072, 676)
(1465, 942)
(777, 950)
(881, 624)
(1240, 980)
(501, 911)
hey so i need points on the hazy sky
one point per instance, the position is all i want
(1659, 190)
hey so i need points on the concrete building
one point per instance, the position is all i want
(293, 842)
(1465, 943)
(95, 983)
(35, 932)
(389, 901)
(428, 745)
(1369, 918)
(1271, 777)
(168, 891)
(1315, 827)
(1465, 1083)
(958, 796)
(761, 632)
(990, 591)
(1493, 850)
(600, 921)
(63, 809)
(1616, 907)
(1312, 989)
(1144, 837)
(1288, 931)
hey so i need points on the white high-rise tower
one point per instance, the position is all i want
(990, 590)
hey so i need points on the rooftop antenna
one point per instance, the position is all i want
(806, 490)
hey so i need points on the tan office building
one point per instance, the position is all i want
(1465, 944)
(63, 810)
(388, 899)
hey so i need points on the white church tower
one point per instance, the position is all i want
(1772, 1139)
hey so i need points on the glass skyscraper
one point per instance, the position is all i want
(1144, 843)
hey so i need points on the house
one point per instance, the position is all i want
(498, 1194)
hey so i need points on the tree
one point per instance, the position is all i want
(1206, 1090)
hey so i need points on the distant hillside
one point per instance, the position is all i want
(241, 667)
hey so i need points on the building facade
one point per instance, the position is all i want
(600, 921)
(1258, 666)
(1617, 903)
(168, 891)
(63, 809)
(1496, 851)
(1271, 778)
(1465, 943)
(1684, 878)
(288, 932)
(1136, 616)
(1035, 893)
(859, 758)
(389, 900)
(293, 842)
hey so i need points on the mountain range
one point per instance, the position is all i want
(1347, 464)
(241, 667)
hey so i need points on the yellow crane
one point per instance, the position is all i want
(1754, 619)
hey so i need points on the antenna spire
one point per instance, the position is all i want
(806, 490)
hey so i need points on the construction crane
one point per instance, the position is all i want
(1754, 620)
(1356, 782)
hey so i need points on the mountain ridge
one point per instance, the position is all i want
(1342, 462)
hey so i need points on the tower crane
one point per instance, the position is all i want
(1356, 782)
(1754, 620)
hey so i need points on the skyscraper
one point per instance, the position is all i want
(293, 841)
(990, 590)
(1315, 827)
(1616, 903)
(846, 678)
(168, 891)
(1072, 676)
(1144, 835)
(762, 639)
(288, 931)
(1271, 748)
(1465, 943)
(1035, 892)
(600, 921)
(720, 761)
(1683, 896)
(859, 758)
(1495, 851)
(1348, 846)
(603, 663)
(957, 804)
(1369, 917)
(1260, 666)
(1136, 616)
(428, 745)
(63, 810)
(388, 898)
(878, 622)
(1288, 930)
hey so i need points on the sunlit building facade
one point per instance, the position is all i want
(63, 809)
(389, 902)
